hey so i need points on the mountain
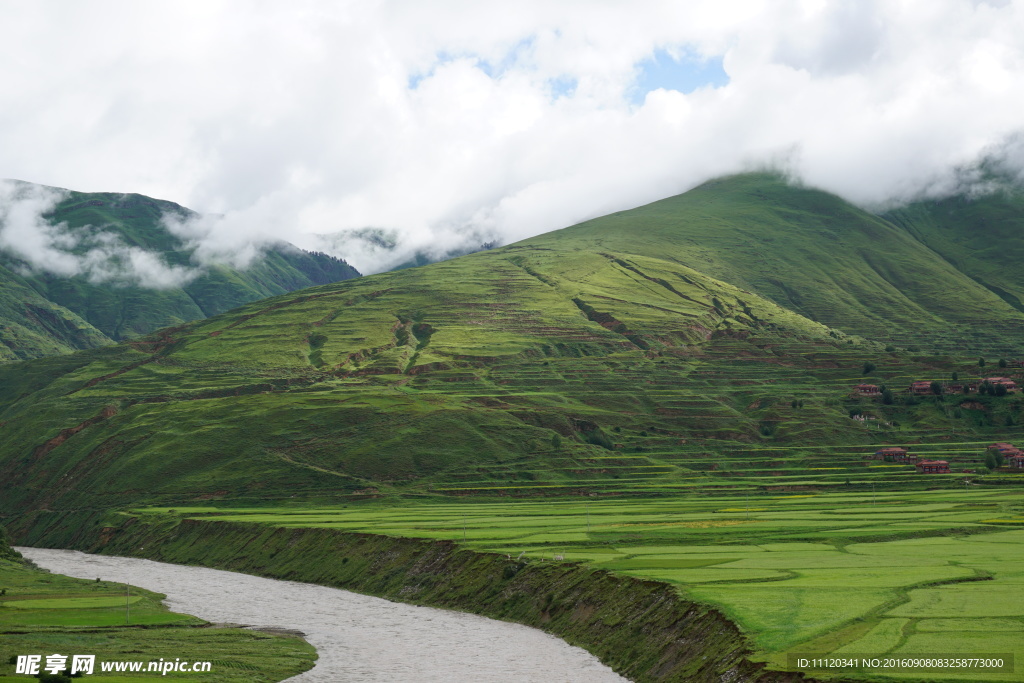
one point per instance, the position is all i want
(981, 236)
(44, 314)
(609, 357)
(925, 276)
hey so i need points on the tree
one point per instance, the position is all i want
(954, 376)
(993, 460)
(890, 348)
(936, 388)
(999, 390)
(887, 397)
(1002, 362)
(869, 367)
(981, 362)
(556, 441)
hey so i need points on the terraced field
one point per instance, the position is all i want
(933, 573)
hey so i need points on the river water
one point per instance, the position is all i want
(358, 638)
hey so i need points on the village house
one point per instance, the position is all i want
(893, 454)
(1016, 461)
(1010, 385)
(868, 389)
(1001, 447)
(932, 467)
(921, 387)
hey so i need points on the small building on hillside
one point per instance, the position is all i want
(921, 387)
(868, 389)
(1001, 447)
(893, 454)
(1010, 385)
(1016, 461)
(932, 467)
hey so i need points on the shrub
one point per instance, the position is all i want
(890, 348)
(981, 362)
(993, 460)
(1002, 362)
(869, 367)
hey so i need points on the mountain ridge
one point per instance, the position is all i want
(463, 373)
(97, 313)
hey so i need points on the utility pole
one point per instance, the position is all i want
(127, 603)
(463, 527)
(588, 516)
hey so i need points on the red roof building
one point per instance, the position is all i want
(1003, 381)
(893, 454)
(932, 467)
(868, 389)
(921, 387)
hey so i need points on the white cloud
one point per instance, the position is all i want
(451, 122)
(99, 256)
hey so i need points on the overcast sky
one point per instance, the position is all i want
(445, 122)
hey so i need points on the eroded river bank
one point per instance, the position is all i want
(358, 637)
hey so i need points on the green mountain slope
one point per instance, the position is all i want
(591, 359)
(42, 314)
(32, 326)
(981, 236)
(832, 262)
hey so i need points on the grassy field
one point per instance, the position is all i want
(43, 613)
(895, 573)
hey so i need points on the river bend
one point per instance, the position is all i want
(358, 637)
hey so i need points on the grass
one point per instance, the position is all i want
(832, 572)
(44, 613)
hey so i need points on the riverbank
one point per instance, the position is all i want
(358, 638)
(644, 630)
(105, 623)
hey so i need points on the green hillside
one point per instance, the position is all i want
(590, 359)
(930, 276)
(982, 236)
(43, 314)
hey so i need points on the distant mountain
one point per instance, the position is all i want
(621, 355)
(981, 236)
(937, 274)
(44, 314)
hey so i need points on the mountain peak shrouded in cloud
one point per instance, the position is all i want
(91, 252)
(449, 123)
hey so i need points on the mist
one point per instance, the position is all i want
(449, 125)
(98, 256)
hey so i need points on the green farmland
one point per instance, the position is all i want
(43, 613)
(934, 573)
